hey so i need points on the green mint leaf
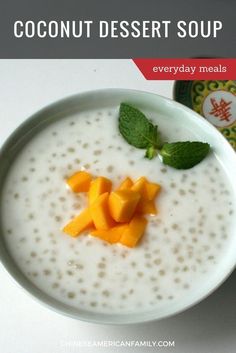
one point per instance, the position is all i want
(184, 155)
(137, 130)
(151, 152)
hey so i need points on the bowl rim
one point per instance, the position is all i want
(50, 302)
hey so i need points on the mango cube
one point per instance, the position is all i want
(97, 187)
(127, 183)
(100, 214)
(152, 190)
(122, 204)
(140, 186)
(134, 231)
(79, 224)
(80, 181)
(112, 235)
(147, 207)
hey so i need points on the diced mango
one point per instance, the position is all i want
(134, 231)
(97, 187)
(79, 224)
(100, 214)
(80, 181)
(112, 235)
(126, 184)
(152, 190)
(147, 207)
(140, 186)
(122, 204)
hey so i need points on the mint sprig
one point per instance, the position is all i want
(140, 132)
(184, 155)
(137, 130)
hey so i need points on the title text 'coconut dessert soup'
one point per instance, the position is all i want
(105, 217)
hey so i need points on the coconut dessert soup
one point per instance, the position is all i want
(178, 244)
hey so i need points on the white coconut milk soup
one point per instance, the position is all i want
(183, 245)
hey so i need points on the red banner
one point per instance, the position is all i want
(187, 69)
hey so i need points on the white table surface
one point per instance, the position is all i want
(25, 325)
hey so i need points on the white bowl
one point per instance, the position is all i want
(100, 99)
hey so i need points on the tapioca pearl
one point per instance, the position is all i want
(71, 295)
(184, 177)
(106, 293)
(123, 296)
(212, 234)
(110, 168)
(83, 291)
(47, 272)
(170, 297)
(175, 202)
(70, 166)
(159, 297)
(191, 191)
(177, 280)
(219, 216)
(96, 284)
(140, 274)
(55, 285)
(24, 179)
(133, 264)
(85, 145)
(175, 226)
(211, 257)
(101, 274)
(9, 231)
(52, 259)
(155, 289)
(97, 152)
(31, 216)
(93, 304)
(182, 192)
(70, 273)
(58, 218)
(157, 261)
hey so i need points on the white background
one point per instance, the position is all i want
(25, 325)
